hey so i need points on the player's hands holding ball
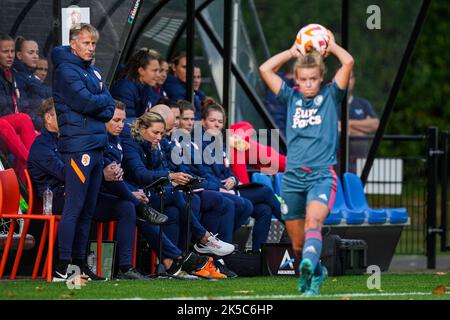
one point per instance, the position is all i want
(295, 52)
(331, 43)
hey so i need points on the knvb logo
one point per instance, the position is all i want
(374, 281)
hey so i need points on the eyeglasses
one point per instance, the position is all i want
(42, 69)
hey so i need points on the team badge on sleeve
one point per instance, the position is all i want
(85, 160)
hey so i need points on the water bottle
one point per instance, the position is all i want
(92, 262)
(48, 198)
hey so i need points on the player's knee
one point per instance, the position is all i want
(313, 222)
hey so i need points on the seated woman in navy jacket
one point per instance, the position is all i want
(264, 201)
(137, 88)
(33, 90)
(143, 164)
(175, 85)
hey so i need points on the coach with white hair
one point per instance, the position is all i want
(83, 106)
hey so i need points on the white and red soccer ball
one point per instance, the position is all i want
(312, 35)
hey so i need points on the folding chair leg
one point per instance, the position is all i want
(51, 235)
(111, 229)
(44, 270)
(7, 246)
(99, 248)
(135, 247)
(42, 243)
(23, 237)
(153, 257)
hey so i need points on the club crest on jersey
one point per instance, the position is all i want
(318, 100)
(299, 103)
(85, 160)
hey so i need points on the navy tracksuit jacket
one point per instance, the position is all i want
(176, 90)
(8, 89)
(83, 105)
(32, 89)
(137, 96)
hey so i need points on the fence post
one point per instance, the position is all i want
(444, 190)
(432, 179)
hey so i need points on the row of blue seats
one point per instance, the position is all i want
(350, 205)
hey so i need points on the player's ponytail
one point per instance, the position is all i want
(311, 59)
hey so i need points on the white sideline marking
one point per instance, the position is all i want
(292, 296)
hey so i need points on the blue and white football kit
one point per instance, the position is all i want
(312, 135)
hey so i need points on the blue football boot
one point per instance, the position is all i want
(306, 271)
(316, 283)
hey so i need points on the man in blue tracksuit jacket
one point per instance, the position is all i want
(83, 105)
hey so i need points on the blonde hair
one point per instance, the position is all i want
(76, 29)
(144, 122)
(312, 59)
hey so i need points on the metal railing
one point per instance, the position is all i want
(400, 181)
(421, 186)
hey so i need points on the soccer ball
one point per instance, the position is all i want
(312, 35)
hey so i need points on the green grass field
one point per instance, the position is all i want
(393, 287)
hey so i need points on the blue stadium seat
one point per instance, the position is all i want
(356, 199)
(278, 180)
(336, 213)
(397, 215)
(263, 179)
(341, 211)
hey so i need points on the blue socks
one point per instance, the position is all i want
(313, 246)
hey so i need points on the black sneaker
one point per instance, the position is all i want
(177, 264)
(60, 275)
(147, 213)
(190, 262)
(85, 270)
(131, 274)
(222, 268)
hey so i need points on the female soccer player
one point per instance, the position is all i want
(309, 183)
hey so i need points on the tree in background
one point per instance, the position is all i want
(423, 97)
